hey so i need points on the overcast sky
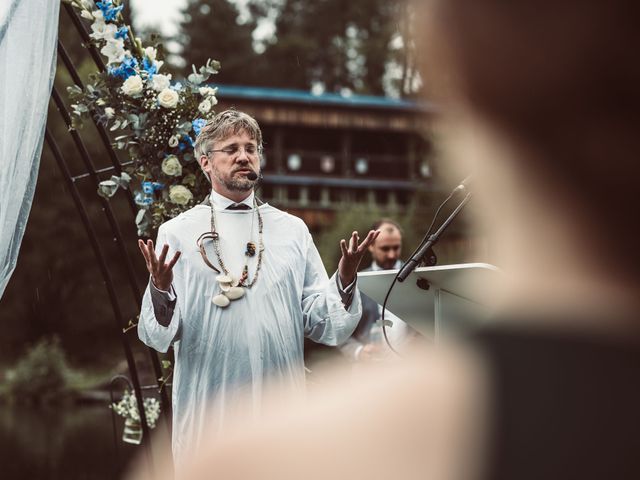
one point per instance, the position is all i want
(161, 14)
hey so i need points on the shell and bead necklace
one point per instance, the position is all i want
(229, 291)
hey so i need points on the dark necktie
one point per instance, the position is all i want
(238, 206)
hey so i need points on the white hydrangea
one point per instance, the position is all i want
(127, 408)
(159, 82)
(114, 51)
(103, 31)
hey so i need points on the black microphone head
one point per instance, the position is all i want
(252, 176)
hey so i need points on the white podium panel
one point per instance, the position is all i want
(456, 296)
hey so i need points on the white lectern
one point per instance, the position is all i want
(435, 300)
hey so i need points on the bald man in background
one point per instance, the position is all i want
(367, 341)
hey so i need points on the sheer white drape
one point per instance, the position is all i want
(28, 34)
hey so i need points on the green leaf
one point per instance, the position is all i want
(189, 179)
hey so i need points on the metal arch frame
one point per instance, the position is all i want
(93, 174)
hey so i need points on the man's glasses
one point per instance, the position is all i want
(233, 150)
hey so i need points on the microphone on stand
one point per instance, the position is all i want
(430, 240)
(252, 176)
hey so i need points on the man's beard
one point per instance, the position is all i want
(234, 184)
(387, 264)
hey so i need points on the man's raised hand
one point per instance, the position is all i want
(352, 254)
(161, 272)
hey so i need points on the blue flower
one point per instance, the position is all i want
(157, 185)
(122, 32)
(150, 66)
(176, 86)
(187, 142)
(197, 124)
(106, 4)
(109, 12)
(143, 200)
(126, 68)
(147, 187)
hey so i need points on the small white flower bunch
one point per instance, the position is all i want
(157, 121)
(127, 407)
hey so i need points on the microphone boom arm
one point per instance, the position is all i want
(416, 259)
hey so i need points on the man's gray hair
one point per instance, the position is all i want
(223, 125)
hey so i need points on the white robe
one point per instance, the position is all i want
(224, 353)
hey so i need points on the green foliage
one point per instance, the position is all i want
(40, 376)
(157, 122)
(212, 29)
(360, 219)
(339, 45)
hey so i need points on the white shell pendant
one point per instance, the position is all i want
(235, 293)
(220, 300)
(225, 282)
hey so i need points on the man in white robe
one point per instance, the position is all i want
(227, 353)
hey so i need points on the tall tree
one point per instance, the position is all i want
(337, 44)
(214, 29)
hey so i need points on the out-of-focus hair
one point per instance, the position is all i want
(386, 221)
(562, 80)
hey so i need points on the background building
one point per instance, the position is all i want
(328, 152)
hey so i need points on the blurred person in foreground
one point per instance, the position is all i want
(544, 99)
(367, 341)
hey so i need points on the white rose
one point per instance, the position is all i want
(109, 112)
(168, 98)
(180, 195)
(159, 82)
(171, 166)
(173, 141)
(204, 106)
(132, 86)
(150, 53)
(114, 51)
(97, 14)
